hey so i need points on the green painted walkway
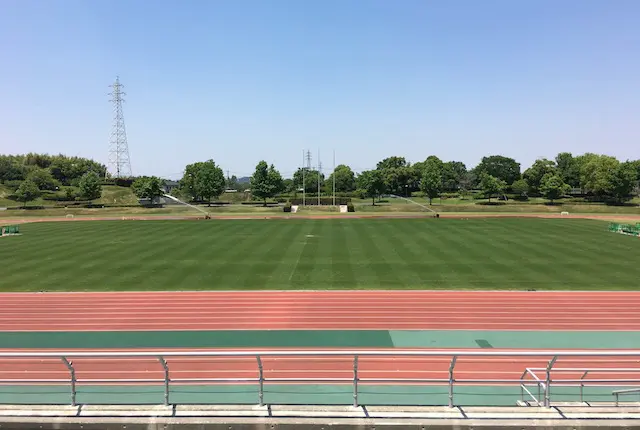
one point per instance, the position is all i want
(324, 339)
(291, 394)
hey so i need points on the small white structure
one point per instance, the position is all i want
(344, 209)
(294, 209)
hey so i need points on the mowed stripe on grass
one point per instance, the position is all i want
(319, 254)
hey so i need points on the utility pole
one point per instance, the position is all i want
(304, 201)
(306, 167)
(333, 175)
(319, 170)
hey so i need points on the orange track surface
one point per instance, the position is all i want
(340, 310)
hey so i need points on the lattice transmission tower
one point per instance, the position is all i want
(119, 162)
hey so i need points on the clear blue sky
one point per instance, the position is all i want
(239, 80)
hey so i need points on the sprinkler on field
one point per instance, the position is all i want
(436, 214)
(207, 216)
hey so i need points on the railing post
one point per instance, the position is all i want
(584, 375)
(165, 366)
(547, 388)
(260, 381)
(355, 381)
(451, 379)
(72, 372)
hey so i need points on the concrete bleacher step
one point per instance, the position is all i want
(38, 411)
(568, 411)
(579, 404)
(125, 411)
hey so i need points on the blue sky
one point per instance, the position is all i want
(240, 81)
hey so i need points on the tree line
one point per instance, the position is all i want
(30, 175)
(599, 176)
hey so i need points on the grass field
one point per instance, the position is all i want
(319, 254)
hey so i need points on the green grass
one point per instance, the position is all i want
(319, 254)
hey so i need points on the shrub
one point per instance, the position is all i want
(351, 207)
(259, 203)
(449, 195)
(12, 185)
(123, 182)
(287, 207)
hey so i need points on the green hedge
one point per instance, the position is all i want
(351, 207)
(287, 207)
(324, 201)
(258, 203)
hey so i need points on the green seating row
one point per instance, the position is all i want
(631, 229)
(9, 229)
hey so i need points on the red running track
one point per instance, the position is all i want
(468, 370)
(327, 310)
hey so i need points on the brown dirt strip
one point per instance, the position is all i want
(610, 217)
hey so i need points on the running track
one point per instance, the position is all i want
(424, 310)
(339, 310)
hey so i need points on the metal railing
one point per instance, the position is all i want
(543, 385)
(532, 386)
(619, 393)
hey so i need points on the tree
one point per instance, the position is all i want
(345, 179)
(69, 170)
(43, 179)
(288, 185)
(397, 179)
(520, 187)
(553, 187)
(569, 169)
(371, 184)
(623, 181)
(266, 182)
(491, 185)
(148, 187)
(636, 165)
(397, 175)
(504, 168)
(27, 191)
(534, 174)
(90, 186)
(209, 181)
(203, 181)
(431, 183)
(11, 169)
(467, 182)
(452, 174)
(596, 173)
(232, 183)
(392, 163)
(310, 180)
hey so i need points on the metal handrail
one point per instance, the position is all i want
(324, 352)
(544, 385)
(619, 393)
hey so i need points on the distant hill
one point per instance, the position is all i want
(244, 180)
